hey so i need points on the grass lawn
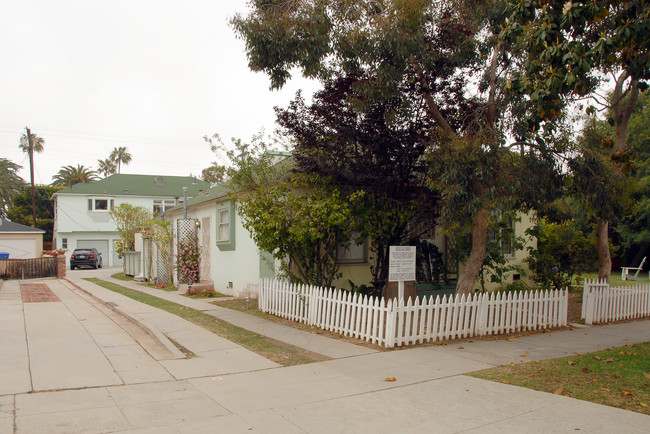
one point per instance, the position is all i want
(279, 352)
(617, 377)
(615, 278)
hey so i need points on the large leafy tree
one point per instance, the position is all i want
(10, 184)
(70, 175)
(634, 227)
(571, 47)
(120, 155)
(377, 152)
(21, 209)
(301, 219)
(129, 219)
(626, 199)
(447, 51)
(214, 174)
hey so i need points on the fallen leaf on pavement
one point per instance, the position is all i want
(510, 340)
(461, 348)
(181, 390)
(524, 355)
(505, 382)
(577, 354)
(390, 379)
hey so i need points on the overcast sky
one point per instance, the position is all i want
(154, 76)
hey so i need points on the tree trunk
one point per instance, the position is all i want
(622, 113)
(602, 245)
(474, 263)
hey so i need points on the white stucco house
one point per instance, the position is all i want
(230, 259)
(20, 241)
(81, 212)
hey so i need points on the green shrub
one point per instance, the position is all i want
(562, 252)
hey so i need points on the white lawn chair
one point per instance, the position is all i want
(625, 271)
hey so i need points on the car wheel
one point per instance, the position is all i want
(95, 265)
(72, 267)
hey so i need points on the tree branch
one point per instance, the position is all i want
(433, 108)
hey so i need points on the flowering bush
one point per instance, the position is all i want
(188, 260)
(201, 292)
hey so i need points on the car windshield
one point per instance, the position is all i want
(83, 252)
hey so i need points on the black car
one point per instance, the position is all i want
(85, 258)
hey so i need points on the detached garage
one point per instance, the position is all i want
(20, 241)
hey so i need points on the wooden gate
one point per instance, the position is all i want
(28, 268)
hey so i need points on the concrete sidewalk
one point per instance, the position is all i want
(313, 342)
(226, 388)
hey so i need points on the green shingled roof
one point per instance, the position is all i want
(140, 185)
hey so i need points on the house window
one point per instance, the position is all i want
(100, 204)
(161, 206)
(64, 243)
(353, 253)
(226, 226)
(503, 235)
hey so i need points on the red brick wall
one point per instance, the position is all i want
(60, 267)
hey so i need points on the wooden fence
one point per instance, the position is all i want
(28, 268)
(602, 303)
(393, 322)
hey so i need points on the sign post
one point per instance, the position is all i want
(401, 267)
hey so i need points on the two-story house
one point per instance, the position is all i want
(81, 212)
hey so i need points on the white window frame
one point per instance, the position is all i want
(223, 221)
(352, 253)
(92, 204)
(225, 225)
(161, 206)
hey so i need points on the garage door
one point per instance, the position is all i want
(100, 245)
(19, 248)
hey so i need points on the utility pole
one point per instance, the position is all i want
(30, 142)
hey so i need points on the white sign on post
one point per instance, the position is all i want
(401, 267)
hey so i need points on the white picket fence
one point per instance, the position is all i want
(392, 323)
(602, 303)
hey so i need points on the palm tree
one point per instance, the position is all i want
(29, 143)
(119, 156)
(10, 184)
(69, 175)
(106, 167)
